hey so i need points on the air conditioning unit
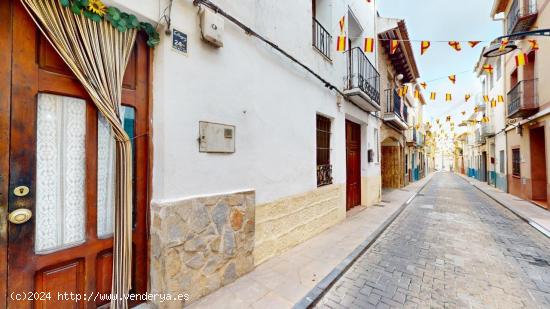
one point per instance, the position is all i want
(212, 26)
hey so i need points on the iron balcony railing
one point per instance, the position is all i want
(522, 97)
(362, 74)
(322, 39)
(324, 175)
(518, 11)
(394, 104)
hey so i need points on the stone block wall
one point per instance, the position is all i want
(199, 245)
(287, 222)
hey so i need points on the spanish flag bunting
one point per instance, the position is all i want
(342, 23)
(432, 96)
(473, 43)
(534, 44)
(369, 45)
(476, 109)
(488, 68)
(521, 59)
(424, 85)
(493, 103)
(448, 118)
(500, 99)
(503, 43)
(424, 45)
(486, 98)
(341, 43)
(455, 45)
(437, 120)
(463, 113)
(467, 97)
(393, 46)
(448, 97)
(416, 94)
(452, 78)
(403, 91)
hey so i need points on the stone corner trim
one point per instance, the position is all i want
(201, 244)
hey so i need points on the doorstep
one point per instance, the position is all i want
(533, 214)
(285, 280)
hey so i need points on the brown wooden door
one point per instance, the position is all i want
(353, 164)
(391, 167)
(60, 150)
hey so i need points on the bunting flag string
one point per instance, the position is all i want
(521, 59)
(424, 45)
(534, 44)
(393, 46)
(467, 97)
(473, 43)
(452, 78)
(369, 45)
(455, 45)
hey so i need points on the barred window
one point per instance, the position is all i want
(516, 162)
(502, 161)
(324, 169)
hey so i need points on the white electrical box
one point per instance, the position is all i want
(212, 26)
(216, 137)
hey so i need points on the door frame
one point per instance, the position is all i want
(353, 126)
(5, 112)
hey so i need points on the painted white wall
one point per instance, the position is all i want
(272, 102)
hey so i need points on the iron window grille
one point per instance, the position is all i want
(324, 168)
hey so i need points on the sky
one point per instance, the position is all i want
(446, 20)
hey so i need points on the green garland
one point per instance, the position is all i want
(120, 20)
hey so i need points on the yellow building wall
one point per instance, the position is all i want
(371, 190)
(287, 222)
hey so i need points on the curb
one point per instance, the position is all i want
(533, 224)
(313, 296)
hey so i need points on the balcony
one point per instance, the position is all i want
(487, 130)
(322, 39)
(362, 85)
(412, 137)
(395, 112)
(479, 139)
(522, 16)
(523, 99)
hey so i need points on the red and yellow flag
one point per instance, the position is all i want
(463, 113)
(452, 78)
(342, 24)
(455, 45)
(448, 97)
(394, 44)
(341, 43)
(424, 45)
(416, 94)
(521, 59)
(467, 97)
(448, 118)
(403, 91)
(503, 43)
(500, 99)
(493, 103)
(432, 96)
(486, 98)
(424, 85)
(473, 43)
(476, 109)
(369, 45)
(488, 68)
(534, 44)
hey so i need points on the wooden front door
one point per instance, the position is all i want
(61, 170)
(353, 164)
(391, 167)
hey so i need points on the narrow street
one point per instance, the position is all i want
(453, 247)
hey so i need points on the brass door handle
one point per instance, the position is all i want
(20, 216)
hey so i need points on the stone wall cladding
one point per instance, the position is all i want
(199, 245)
(287, 222)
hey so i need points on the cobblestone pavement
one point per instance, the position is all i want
(452, 247)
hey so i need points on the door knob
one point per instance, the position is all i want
(20, 216)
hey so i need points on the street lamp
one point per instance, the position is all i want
(496, 49)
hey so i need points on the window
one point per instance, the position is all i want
(501, 158)
(516, 162)
(324, 169)
(322, 39)
(60, 173)
(106, 169)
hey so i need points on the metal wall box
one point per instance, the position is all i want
(216, 137)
